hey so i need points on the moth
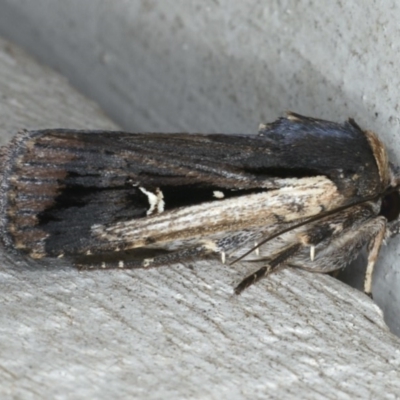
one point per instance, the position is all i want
(303, 193)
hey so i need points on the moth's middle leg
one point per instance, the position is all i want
(272, 265)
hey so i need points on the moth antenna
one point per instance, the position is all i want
(281, 258)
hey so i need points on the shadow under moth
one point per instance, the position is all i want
(303, 193)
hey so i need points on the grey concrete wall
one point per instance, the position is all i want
(210, 66)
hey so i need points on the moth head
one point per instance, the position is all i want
(390, 206)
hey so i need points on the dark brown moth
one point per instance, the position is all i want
(303, 193)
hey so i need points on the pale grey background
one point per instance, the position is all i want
(209, 66)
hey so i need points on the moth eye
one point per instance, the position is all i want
(390, 207)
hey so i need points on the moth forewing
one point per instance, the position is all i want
(304, 192)
(294, 200)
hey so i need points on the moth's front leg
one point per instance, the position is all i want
(374, 246)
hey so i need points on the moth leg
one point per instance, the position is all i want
(333, 255)
(344, 248)
(272, 265)
(373, 248)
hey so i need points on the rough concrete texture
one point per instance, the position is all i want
(198, 66)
